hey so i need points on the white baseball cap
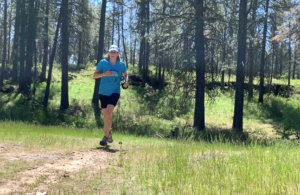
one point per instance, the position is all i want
(113, 48)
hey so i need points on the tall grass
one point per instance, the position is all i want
(217, 169)
(154, 166)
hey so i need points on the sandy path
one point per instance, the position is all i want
(51, 168)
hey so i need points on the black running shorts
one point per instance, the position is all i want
(112, 99)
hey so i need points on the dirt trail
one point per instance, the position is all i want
(51, 168)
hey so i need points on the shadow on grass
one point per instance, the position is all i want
(215, 134)
(106, 149)
(283, 114)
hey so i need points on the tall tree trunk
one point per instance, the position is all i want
(276, 61)
(123, 37)
(113, 24)
(134, 51)
(95, 100)
(46, 43)
(30, 46)
(294, 66)
(131, 39)
(9, 34)
(64, 102)
(241, 56)
(15, 55)
(251, 51)
(290, 63)
(281, 60)
(160, 62)
(272, 67)
(146, 46)
(212, 63)
(51, 60)
(22, 46)
(2, 72)
(143, 39)
(79, 57)
(118, 26)
(199, 114)
(223, 59)
(262, 61)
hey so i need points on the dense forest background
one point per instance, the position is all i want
(195, 45)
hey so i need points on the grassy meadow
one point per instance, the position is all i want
(145, 160)
(156, 166)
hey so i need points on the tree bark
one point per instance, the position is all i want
(199, 113)
(46, 43)
(241, 56)
(251, 52)
(16, 42)
(64, 102)
(79, 57)
(22, 46)
(51, 60)
(262, 61)
(294, 66)
(9, 36)
(95, 100)
(123, 37)
(30, 46)
(290, 63)
(2, 72)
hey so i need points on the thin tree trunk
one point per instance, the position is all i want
(123, 37)
(15, 55)
(199, 114)
(146, 46)
(22, 46)
(272, 67)
(30, 46)
(131, 41)
(95, 100)
(9, 35)
(251, 52)
(241, 56)
(51, 60)
(281, 60)
(79, 51)
(160, 74)
(64, 101)
(134, 51)
(212, 63)
(143, 39)
(113, 24)
(294, 67)
(290, 63)
(276, 61)
(223, 59)
(4, 45)
(35, 71)
(118, 26)
(46, 43)
(262, 61)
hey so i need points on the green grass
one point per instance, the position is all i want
(148, 112)
(155, 166)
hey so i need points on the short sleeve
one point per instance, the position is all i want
(100, 66)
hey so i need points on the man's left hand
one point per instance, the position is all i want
(126, 84)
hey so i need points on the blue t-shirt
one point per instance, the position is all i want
(110, 85)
